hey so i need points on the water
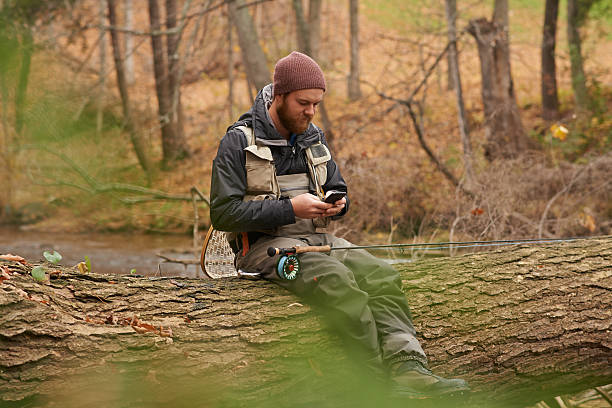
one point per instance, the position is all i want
(109, 252)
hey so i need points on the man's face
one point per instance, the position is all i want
(297, 109)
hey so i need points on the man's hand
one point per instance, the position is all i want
(309, 206)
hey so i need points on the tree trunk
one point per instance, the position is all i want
(172, 148)
(230, 67)
(550, 100)
(451, 19)
(253, 56)
(504, 132)
(314, 24)
(354, 87)
(129, 42)
(303, 32)
(576, 13)
(172, 42)
(519, 324)
(453, 66)
(102, 72)
(27, 48)
(137, 143)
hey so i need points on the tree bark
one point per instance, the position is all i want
(102, 72)
(354, 86)
(314, 24)
(550, 99)
(129, 42)
(173, 147)
(453, 66)
(172, 44)
(27, 49)
(230, 67)
(451, 19)
(137, 143)
(576, 14)
(303, 32)
(504, 130)
(253, 56)
(519, 324)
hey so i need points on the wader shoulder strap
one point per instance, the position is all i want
(317, 156)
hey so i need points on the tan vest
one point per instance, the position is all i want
(263, 182)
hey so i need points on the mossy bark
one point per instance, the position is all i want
(523, 323)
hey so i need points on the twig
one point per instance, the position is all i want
(575, 178)
(167, 259)
(94, 187)
(196, 219)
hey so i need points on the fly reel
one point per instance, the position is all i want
(288, 267)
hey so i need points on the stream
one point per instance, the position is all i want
(111, 253)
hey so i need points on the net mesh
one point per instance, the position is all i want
(219, 258)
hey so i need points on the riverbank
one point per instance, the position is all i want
(114, 253)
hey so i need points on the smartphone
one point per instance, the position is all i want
(333, 195)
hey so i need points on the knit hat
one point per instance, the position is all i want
(297, 71)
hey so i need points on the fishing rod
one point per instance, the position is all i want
(288, 265)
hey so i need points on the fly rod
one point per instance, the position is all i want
(432, 245)
(288, 265)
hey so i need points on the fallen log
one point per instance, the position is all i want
(521, 324)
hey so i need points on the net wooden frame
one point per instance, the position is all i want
(217, 258)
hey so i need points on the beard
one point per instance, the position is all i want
(293, 124)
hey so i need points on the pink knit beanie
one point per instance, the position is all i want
(297, 71)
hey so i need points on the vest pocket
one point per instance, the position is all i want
(260, 174)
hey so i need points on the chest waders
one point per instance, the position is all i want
(264, 184)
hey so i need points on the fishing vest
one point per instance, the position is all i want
(263, 183)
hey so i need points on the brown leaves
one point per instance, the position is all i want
(138, 325)
(14, 258)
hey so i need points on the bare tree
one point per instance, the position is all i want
(504, 130)
(253, 56)
(354, 87)
(174, 147)
(453, 66)
(550, 99)
(136, 139)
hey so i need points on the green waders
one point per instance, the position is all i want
(361, 294)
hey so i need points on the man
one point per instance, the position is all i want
(271, 170)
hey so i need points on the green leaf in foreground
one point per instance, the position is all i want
(38, 273)
(54, 257)
(88, 263)
(132, 271)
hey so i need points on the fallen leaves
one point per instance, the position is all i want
(14, 258)
(138, 325)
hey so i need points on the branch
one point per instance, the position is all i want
(95, 187)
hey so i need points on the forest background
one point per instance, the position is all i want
(111, 111)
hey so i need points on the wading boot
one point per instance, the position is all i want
(412, 379)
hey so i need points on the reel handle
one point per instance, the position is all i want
(298, 250)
